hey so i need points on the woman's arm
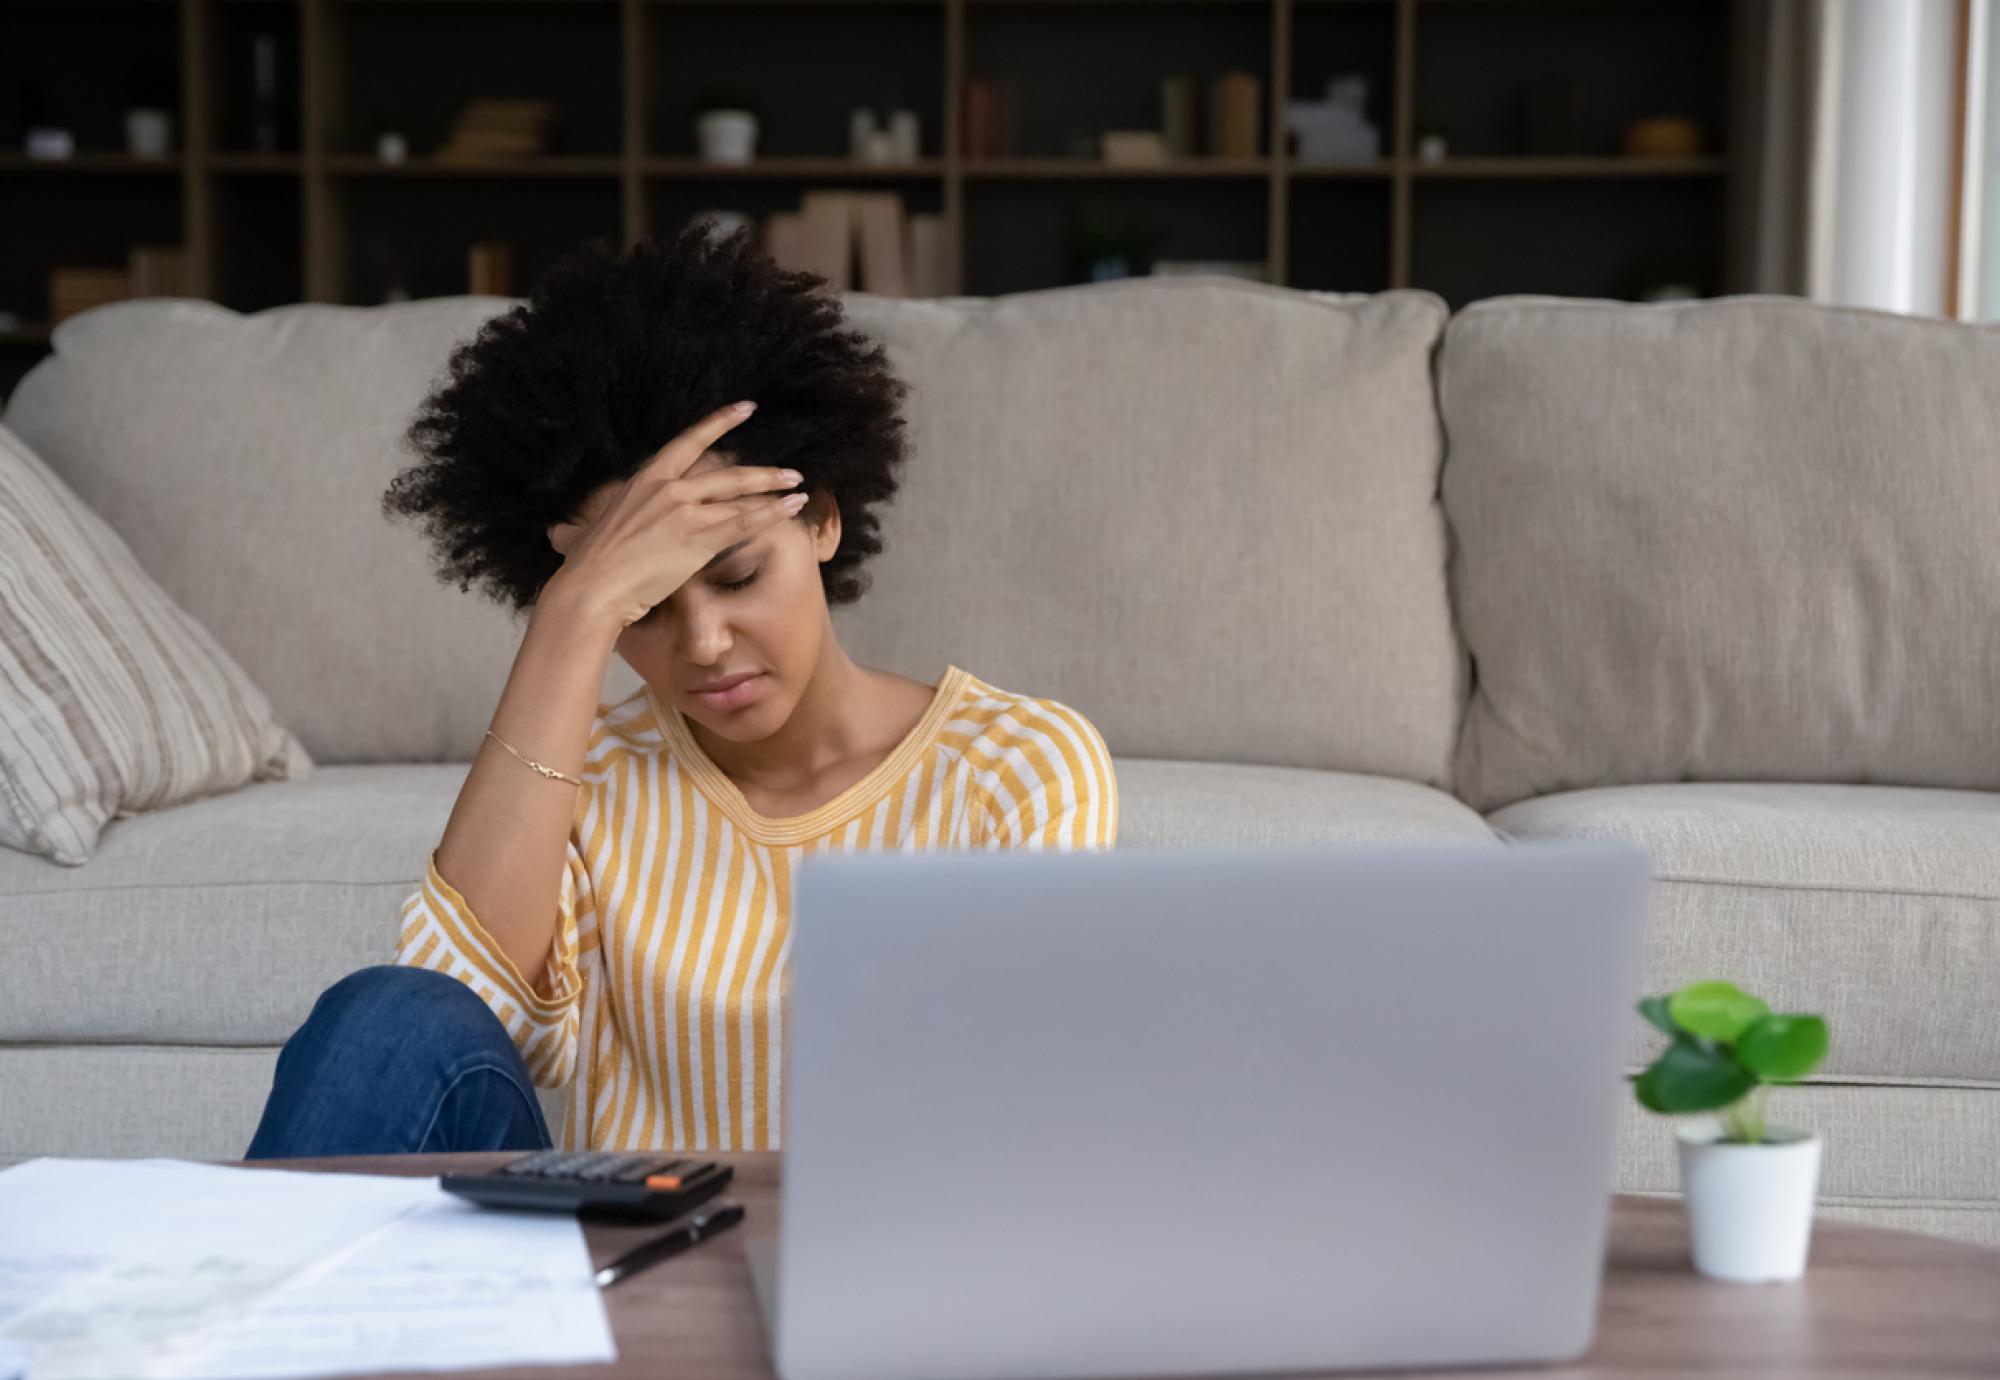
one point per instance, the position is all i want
(503, 848)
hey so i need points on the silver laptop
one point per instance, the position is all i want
(1146, 1112)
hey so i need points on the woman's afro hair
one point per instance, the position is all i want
(611, 357)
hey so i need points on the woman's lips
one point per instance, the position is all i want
(735, 692)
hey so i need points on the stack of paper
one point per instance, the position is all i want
(161, 1268)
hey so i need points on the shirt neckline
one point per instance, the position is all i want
(726, 796)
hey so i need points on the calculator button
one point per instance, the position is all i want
(530, 1164)
(641, 1168)
(600, 1167)
(607, 1169)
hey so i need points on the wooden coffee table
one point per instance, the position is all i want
(1873, 1303)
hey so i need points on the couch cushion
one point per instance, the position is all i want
(1748, 539)
(1201, 510)
(1877, 906)
(219, 921)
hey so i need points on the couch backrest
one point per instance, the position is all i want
(1750, 538)
(1202, 511)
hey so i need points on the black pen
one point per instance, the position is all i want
(697, 1229)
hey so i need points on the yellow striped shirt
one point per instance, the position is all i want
(664, 1000)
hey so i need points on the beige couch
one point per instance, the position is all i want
(1727, 572)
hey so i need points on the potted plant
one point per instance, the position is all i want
(1749, 1186)
(725, 125)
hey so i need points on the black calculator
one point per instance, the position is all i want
(595, 1183)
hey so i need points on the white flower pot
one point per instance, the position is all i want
(726, 136)
(1749, 1207)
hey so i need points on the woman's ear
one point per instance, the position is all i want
(822, 519)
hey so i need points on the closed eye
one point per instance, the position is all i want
(733, 585)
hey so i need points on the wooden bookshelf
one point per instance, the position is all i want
(318, 218)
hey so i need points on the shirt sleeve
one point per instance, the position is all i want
(1048, 781)
(440, 932)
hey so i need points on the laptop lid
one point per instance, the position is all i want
(1204, 1110)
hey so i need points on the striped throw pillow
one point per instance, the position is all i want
(112, 699)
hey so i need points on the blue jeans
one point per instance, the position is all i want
(398, 1060)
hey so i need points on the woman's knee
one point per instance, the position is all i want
(402, 1007)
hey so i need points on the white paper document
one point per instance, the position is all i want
(162, 1268)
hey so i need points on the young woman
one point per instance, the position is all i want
(608, 908)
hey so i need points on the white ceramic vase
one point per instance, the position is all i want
(149, 133)
(726, 136)
(1749, 1207)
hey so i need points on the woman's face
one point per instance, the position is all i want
(734, 648)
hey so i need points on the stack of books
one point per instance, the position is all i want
(151, 271)
(495, 131)
(489, 269)
(73, 290)
(157, 270)
(865, 241)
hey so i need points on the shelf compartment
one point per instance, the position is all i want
(412, 68)
(234, 28)
(258, 250)
(807, 65)
(1331, 40)
(1572, 83)
(81, 223)
(1338, 236)
(80, 66)
(1105, 73)
(1474, 238)
(1019, 234)
(416, 231)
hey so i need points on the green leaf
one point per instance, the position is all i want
(1715, 1010)
(1654, 1009)
(1688, 1078)
(1782, 1049)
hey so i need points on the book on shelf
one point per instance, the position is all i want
(816, 238)
(991, 117)
(1180, 114)
(864, 241)
(157, 270)
(74, 290)
(930, 262)
(1133, 148)
(495, 131)
(1232, 115)
(878, 223)
(489, 269)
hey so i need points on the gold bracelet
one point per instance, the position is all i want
(545, 771)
